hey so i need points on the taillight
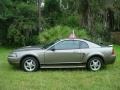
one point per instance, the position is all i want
(113, 52)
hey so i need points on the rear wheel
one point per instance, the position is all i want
(30, 64)
(95, 64)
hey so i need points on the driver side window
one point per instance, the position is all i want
(66, 45)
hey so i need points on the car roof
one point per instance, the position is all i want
(73, 39)
(91, 44)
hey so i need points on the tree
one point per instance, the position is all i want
(52, 12)
(19, 22)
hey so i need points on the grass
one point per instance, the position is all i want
(12, 78)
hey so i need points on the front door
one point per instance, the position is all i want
(66, 51)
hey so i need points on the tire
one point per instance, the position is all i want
(30, 64)
(95, 64)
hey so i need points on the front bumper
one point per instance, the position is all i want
(13, 60)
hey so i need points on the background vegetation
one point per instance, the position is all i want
(59, 32)
(19, 20)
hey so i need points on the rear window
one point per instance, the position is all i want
(83, 45)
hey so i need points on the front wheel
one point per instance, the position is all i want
(30, 64)
(95, 64)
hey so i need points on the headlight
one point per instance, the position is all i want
(13, 55)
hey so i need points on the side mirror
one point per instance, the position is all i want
(52, 49)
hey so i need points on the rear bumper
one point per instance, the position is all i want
(111, 59)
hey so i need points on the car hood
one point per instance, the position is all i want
(28, 48)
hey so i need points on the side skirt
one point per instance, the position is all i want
(66, 65)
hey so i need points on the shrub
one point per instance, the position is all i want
(59, 32)
(71, 21)
(22, 33)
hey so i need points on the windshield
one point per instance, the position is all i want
(49, 44)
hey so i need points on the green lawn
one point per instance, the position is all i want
(12, 78)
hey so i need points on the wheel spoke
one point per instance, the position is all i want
(27, 63)
(27, 66)
(33, 64)
(91, 65)
(31, 68)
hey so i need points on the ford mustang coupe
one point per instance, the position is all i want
(66, 53)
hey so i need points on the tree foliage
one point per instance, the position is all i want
(52, 12)
(19, 18)
(19, 25)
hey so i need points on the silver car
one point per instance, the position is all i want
(66, 53)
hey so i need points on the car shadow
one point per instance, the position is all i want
(17, 68)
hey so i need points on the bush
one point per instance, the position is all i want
(115, 36)
(60, 32)
(22, 33)
(18, 23)
(71, 21)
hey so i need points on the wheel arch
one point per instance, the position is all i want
(100, 56)
(28, 56)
